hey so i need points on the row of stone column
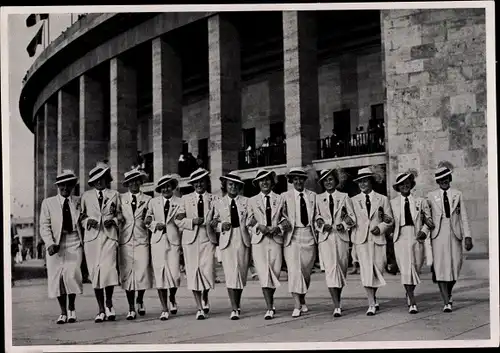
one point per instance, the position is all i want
(79, 121)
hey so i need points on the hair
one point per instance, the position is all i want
(223, 186)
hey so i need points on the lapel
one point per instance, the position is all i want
(241, 208)
(159, 212)
(74, 210)
(106, 198)
(438, 200)
(173, 207)
(453, 199)
(274, 203)
(207, 204)
(311, 203)
(226, 204)
(260, 204)
(418, 206)
(397, 209)
(58, 206)
(141, 203)
(337, 202)
(291, 211)
(374, 206)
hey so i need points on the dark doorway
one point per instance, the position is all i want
(342, 124)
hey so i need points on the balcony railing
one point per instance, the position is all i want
(359, 143)
(262, 156)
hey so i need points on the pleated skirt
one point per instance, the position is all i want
(447, 253)
(101, 255)
(135, 265)
(235, 259)
(300, 256)
(63, 269)
(200, 261)
(165, 260)
(372, 259)
(268, 258)
(334, 255)
(409, 255)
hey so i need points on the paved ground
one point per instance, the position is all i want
(34, 316)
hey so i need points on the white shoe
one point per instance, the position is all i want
(71, 316)
(131, 315)
(296, 312)
(269, 315)
(413, 309)
(164, 316)
(100, 317)
(234, 315)
(62, 319)
(110, 313)
(337, 312)
(304, 308)
(447, 308)
(371, 310)
(200, 315)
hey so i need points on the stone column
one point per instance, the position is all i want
(225, 97)
(68, 134)
(349, 87)
(167, 108)
(50, 149)
(123, 116)
(39, 168)
(300, 87)
(93, 146)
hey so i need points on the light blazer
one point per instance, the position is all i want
(171, 231)
(133, 225)
(111, 209)
(51, 219)
(366, 222)
(458, 213)
(188, 206)
(340, 200)
(421, 208)
(289, 197)
(222, 212)
(257, 211)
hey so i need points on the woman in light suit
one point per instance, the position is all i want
(229, 219)
(451, 229)
(267, 223)
(61, 234)
(134, 259)
(411, 216)
(334, 217)
(165, 243)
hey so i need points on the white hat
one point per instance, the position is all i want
(296, 171)
(400, 178)
(442, 172)
(232, 176)
(165, 180)
(364, 173)
(198, 174)
(262, 173)
(134, 174)
(324, 173)
(65, 176)
(97, 172)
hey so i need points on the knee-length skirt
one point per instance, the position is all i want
(166, 262)
(409, 255)
(447, 253)
(300, 256)
(63, 269)
(334, 255)
(200, 261)
(235, 259)
(135, 265)
(101, 255)
(372, 259)
(268, 258)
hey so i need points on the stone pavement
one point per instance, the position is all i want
(34, 316)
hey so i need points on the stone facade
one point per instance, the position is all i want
(435, 74)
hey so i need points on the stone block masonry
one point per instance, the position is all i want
(435, 72)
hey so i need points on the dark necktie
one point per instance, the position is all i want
(368, 204)
(235, 219)
(67, 223)
(134, 203)
(408, 218)
(100, 199)
(331, 205)
(200, 207)
(304, 218)
(166, 208)
(446, 205)
(268, 211)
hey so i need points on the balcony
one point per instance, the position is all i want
(262, 156)
(358, 144)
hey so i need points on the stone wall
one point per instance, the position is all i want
(435, 72)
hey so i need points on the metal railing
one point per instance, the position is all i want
(359, 143)
(262, 156)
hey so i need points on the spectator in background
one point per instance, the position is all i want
(191, 163)
(14, 247)
(200, 162)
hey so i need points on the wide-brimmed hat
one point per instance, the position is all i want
(134, 174)
(98, 172)
(324, 173)
(261, 174)
(444, 169)
(198, 174)
(232, 176)
(66, 175)
(364, 173)
(296, 171)
(402, 177)
(168, 178)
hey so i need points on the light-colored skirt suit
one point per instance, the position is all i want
(101, 255)
(199, 257)
(334, 257)
(165, 258)
(235, 259)
(268, 258)
(409, 255)
(372, 259)
(63, 269)
(447, 253)
(134, 262)
(300, 256)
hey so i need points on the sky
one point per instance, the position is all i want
(21, 139)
